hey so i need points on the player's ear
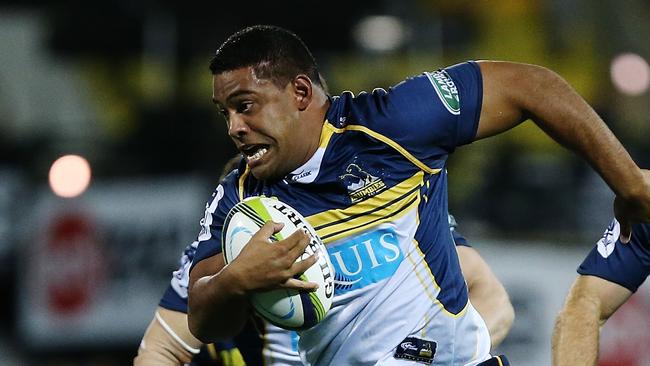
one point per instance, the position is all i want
(303, 89)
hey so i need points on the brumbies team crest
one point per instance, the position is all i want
(360, 183)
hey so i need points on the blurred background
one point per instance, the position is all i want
(110, 146)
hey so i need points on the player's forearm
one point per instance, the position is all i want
(217, 308)
(564, 115)
(500, 323)
(496, 310)
(576, 334)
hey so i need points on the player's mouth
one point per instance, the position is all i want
(254, 153)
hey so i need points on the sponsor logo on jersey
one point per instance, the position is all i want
(416, 349)
(361, 184)
(446, 90)
(299, 176)
(365, 259)
(607, 243)
(308, 172)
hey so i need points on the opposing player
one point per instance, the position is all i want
(608, 276)
(368, 172)
(167, 341)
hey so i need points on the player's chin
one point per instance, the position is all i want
(265, 171)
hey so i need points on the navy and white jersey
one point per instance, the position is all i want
(376, 193)
(625, 264)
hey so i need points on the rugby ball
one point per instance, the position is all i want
(285, 308)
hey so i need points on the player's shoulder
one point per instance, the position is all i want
(425, 96)
(228, 188)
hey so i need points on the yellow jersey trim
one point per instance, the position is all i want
(242, 180)
(326, 135)
(387, 205)
(432, 278)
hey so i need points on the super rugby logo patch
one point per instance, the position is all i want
(607, 243)
(416, 349)
(446, 90)
(361, 184)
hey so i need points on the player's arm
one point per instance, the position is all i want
(211, 285)
(167, 341)
(218, 294)
(515, 92)
(591, 301)
(487, 294)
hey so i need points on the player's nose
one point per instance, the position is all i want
(237, 126)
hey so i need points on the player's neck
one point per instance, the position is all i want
(315, 118)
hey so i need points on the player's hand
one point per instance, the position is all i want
(263, 265)
(628, 212)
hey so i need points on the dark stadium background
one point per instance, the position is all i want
(125, 84)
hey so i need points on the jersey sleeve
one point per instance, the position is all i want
(625, 264)
(175, 297)
(428, 115)
(223, 199)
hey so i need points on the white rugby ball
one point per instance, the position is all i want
(285, 308)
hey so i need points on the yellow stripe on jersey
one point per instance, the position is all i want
(212, 351)
(387, 205)
(328, 129)
(425, 286)
(326, 134)
(242, 180)
(432, 278)
(232, 357)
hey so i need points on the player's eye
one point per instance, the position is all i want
(244, 107)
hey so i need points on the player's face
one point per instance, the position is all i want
(263, 121)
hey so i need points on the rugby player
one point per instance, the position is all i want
(609, 275)
(369, 173)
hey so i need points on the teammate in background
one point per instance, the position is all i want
(609, 275)
(368, 171)
(168, 342)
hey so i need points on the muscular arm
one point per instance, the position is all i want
(487, 294)
(515, 92)
(591, 301)
(214, 290)
(218, 294)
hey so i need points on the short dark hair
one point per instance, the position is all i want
(273, 52)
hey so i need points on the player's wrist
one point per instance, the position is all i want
(638, 188)
(233, 282)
